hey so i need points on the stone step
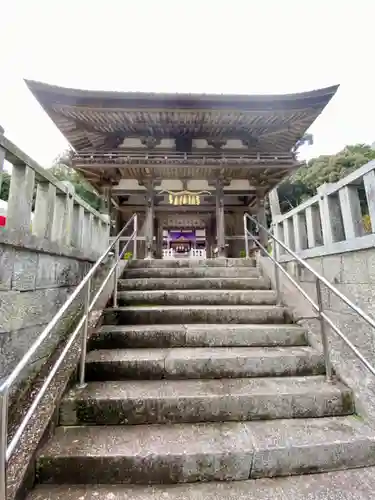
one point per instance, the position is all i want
(355, 484)
(133, 315)
(176, 401)
(196, 297)
(192, 272)
(196, 335)
(204, 452)
(193, 283)
(202, 362)
(173, 263)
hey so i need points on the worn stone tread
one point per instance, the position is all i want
(201, 452)
(156, 314)
(355, 484)
(198, 335)
(203, 362)
(193, 283)
(198, 297)
(191, 272)
(162, 401)
(173, 263)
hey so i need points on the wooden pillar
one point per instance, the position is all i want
(209, 237)
(149, 225)
(159, 238)
(220, 223)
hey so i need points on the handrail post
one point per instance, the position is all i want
(135, 236)
(82, 366)
(277, 272)
(4, 397)
(323, 331)
(117, 256)
(246, 236)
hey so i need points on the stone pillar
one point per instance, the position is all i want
(220, 223)
(59, 218)
(273, 197)
(351, 212)
(149, 223)
(369, 182)
(78, 226)
(44, 210)
(313, 226)
(68, 220)
(300, 233)
(288, 233)
(20, 199)
(330, 215)
(2, 160)
(261, 217)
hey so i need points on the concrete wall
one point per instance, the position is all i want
(353, 273)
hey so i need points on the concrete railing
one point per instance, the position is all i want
(332, 221)
(60, 216)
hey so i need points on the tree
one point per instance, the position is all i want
(325, 168)
(5, 185)
(63, 171)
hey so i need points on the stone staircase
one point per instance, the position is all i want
(199, 376)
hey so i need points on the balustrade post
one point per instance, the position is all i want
(369, 182)
(288, 233)
(330, 216)
(58, 225)
(313, 226)
(20, 199)
(78, 225)
(300, 234)
(351, 212)
(2, 161)
(261, 217)
(68, 220)
(44, 210)
(273, 197)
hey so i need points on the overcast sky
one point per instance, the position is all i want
(220, 46)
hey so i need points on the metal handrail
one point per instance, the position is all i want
(319, 280)
(6, 450)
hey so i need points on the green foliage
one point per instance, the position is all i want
(242, 254)
(325, 168)
(128, 255)
(5, 185)
(62, 171)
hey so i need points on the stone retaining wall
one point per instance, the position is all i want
(33, 286)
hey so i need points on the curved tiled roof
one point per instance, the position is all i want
(92, 120)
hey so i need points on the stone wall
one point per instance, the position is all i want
(329, 233)
(353, 274)
(33, 286)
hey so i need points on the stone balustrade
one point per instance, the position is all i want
(332, 221)
(50, 240)
(61, 221)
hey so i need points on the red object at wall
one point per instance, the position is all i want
(3, 220)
